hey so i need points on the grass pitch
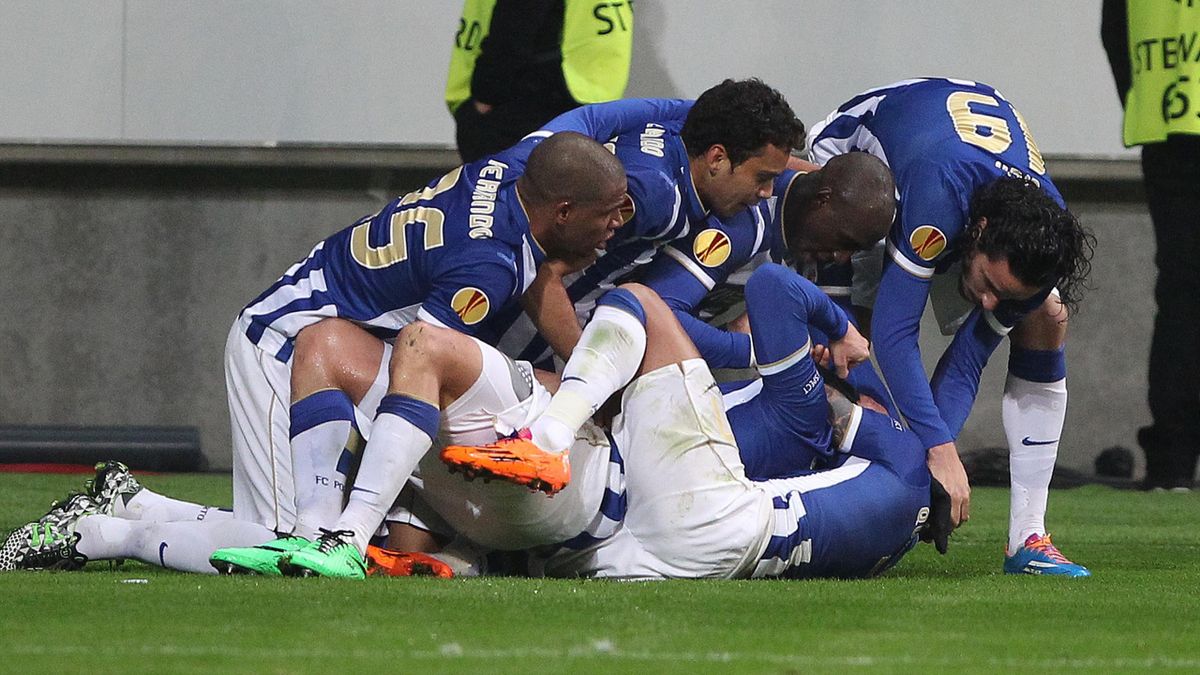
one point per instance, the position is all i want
(1141, 610)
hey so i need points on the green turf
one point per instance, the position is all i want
(1141, 610)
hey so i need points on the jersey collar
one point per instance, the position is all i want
(519, 217)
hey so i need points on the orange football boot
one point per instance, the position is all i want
(384, 562)
(516, 460)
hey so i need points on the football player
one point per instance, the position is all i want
(983, 231)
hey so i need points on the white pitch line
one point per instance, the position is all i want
(601, 649)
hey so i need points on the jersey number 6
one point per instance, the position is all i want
(998, 137)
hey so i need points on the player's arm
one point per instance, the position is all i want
(686, 270)
(955, 381)
(682, 288)
(549, 306)
(602, 121)
(895, 327)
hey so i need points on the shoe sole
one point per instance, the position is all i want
(288, 569)
(470, 472)
(228, 568)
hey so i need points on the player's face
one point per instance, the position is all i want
(986, 281)
(821, 237)
(822, 257)
(589, 225)
(731, 188)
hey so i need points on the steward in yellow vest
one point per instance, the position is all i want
(1154, 49)
(516, 64)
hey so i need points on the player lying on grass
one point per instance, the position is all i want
(675, 446)
(984, 234)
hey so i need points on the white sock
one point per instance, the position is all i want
(320, 487)
(464, 557)
(392, 454)
(184, 546)
(607, 357)
(149, 505)
(1033, 414)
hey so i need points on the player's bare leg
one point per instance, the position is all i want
(334, 366)
(429, 368)
(1033, 410)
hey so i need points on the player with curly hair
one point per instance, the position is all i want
(983, 231)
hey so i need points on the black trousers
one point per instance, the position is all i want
(1172, 180)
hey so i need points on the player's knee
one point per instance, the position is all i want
(768, 280)
(768, 275)
(321, 343)
(652, 306)
(419, 336)
(424, 343)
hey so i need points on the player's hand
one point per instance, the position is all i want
(482, 108)
(948, 470)
(820, 356)
(849, 351)
(938, 528)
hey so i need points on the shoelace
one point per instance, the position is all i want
(1043, 545)
(331, 539)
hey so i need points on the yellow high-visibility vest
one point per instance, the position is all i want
(1164, 56)
(597, 48)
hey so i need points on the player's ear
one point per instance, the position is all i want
(562, 212)
(823, 196)
(714, 157)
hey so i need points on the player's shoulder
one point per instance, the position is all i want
(655, 167)
(653, 154)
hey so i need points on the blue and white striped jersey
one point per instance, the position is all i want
(943, 139)
(453, 253)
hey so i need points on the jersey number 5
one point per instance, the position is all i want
(396, 250)
(990, 132)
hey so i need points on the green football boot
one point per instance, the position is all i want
(332, 555)
(262, 559)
